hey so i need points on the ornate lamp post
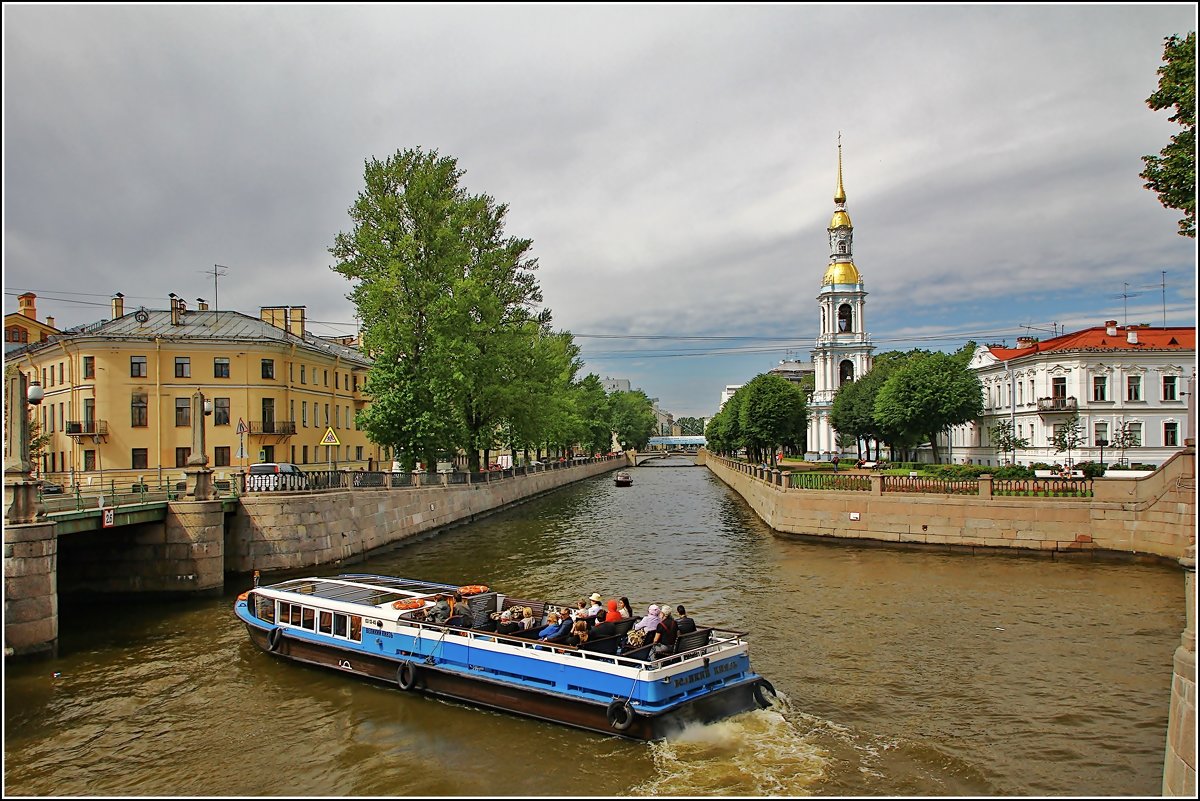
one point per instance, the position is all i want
(20, 489)
(1101, 443)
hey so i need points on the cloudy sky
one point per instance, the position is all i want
(674, 165)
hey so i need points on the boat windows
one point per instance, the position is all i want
(294, 614)
(264, 608)
(323, 621)
(356, 627)
(326, 623)
(339, 625)
(308, 618)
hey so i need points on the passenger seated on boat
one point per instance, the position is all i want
(650, 622)
(528, 621)
(579, 633)
(507, 625)
(440, 612)
(603, 627)
(683, 623)
(664, 636)
(555, 629)
(594, 607)
(625, 609)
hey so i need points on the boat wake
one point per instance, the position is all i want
(775, 751)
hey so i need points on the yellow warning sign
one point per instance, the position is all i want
(330, 438)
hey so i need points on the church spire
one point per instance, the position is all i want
(839, 196)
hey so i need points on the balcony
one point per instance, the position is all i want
(87, 428)
(283, 427)
(1057, 405)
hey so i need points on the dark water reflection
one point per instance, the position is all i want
(903, 672)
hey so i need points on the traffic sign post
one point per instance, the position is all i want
(330, 440)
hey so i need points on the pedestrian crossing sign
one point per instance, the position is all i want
(330, 438)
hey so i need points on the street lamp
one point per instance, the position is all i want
(1101, 443)
(20, 491)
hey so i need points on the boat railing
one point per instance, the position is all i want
(721, 639)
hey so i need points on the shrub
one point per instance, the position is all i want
(1090, 469)
(1011, 471)
(956, 472)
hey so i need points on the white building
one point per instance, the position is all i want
(727, 393)
(843, 351)
(1136, 378)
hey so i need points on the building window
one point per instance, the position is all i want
(304, 453)
(1169, 392)
(181, 456)
(220, 411)
(89, 367)
(268, 368)
(221, 456)
(183, 367)
(302, 372)
(358, 452)
(220, 367)
(1135, 434)
(60, 372)
(1100, 432)
(327, 415)
(139, 410)
(337, 415)
(89, 461)
(304, 413)
(183, 411)
(1058, 387)
(1171, 435)
(326, 375)
(137, 367)
(1133, 385)
(139, 459)
(1099, 387)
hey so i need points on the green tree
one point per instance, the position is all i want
(1124, 438)
(691, 426)
(633, 418)
(926, 396)
(1005, 440)
(593, 410)
(1172, 173)
(1068, 436)
(445, 299)
(772, 414)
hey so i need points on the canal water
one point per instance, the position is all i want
(901, 672)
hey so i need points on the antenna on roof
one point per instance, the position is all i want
(1127, 295)
(217, 270)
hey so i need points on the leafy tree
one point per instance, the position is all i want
(445, 298)
(1068, 436)
(927, 395)
(691, 426)
(771, 414)
(1123, 438)
(1005, 439)
(633, 418)
(593, 410)
(1172, 173)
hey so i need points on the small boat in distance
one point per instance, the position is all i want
(381, 628)
(623, 479)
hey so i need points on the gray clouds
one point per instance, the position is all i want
(674, 165)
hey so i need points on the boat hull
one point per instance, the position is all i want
(615, 719)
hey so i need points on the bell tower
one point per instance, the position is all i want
(843, 350)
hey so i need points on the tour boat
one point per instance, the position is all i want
(623, 479)
(376, 627)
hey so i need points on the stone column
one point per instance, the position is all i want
(1179, 767)
(985, 485)
(192, 559)
(199, 474)
(30, 589)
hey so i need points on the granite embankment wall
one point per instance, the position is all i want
(279, 531)
(1154, 515)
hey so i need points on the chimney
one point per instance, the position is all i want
(1131, 335)
(1110, 327)
(118, 306)
(177, 308)
(201, 304)
(296, 323)
(50, 321)
(27, 305)
(1026, 342)
(274, 315)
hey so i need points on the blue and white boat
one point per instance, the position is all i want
(376, 627)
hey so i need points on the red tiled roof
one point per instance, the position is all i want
(1098, 339)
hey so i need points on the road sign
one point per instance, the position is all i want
(330, 438)
(241, 454)
(242, 427)
(108, 518)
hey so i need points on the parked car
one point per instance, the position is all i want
(51, 488)
(275, 475)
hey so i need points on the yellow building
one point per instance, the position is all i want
(118, 394)
(23, 327)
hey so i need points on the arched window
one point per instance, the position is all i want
(845, 318)
(845, 372)
(841, 246)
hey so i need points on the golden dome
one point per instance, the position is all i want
(841, 272)
(840, 219)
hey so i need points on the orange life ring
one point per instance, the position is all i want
(243, 595)
(473, 589)
(408, 603)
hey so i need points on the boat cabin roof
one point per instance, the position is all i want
(364, 590)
